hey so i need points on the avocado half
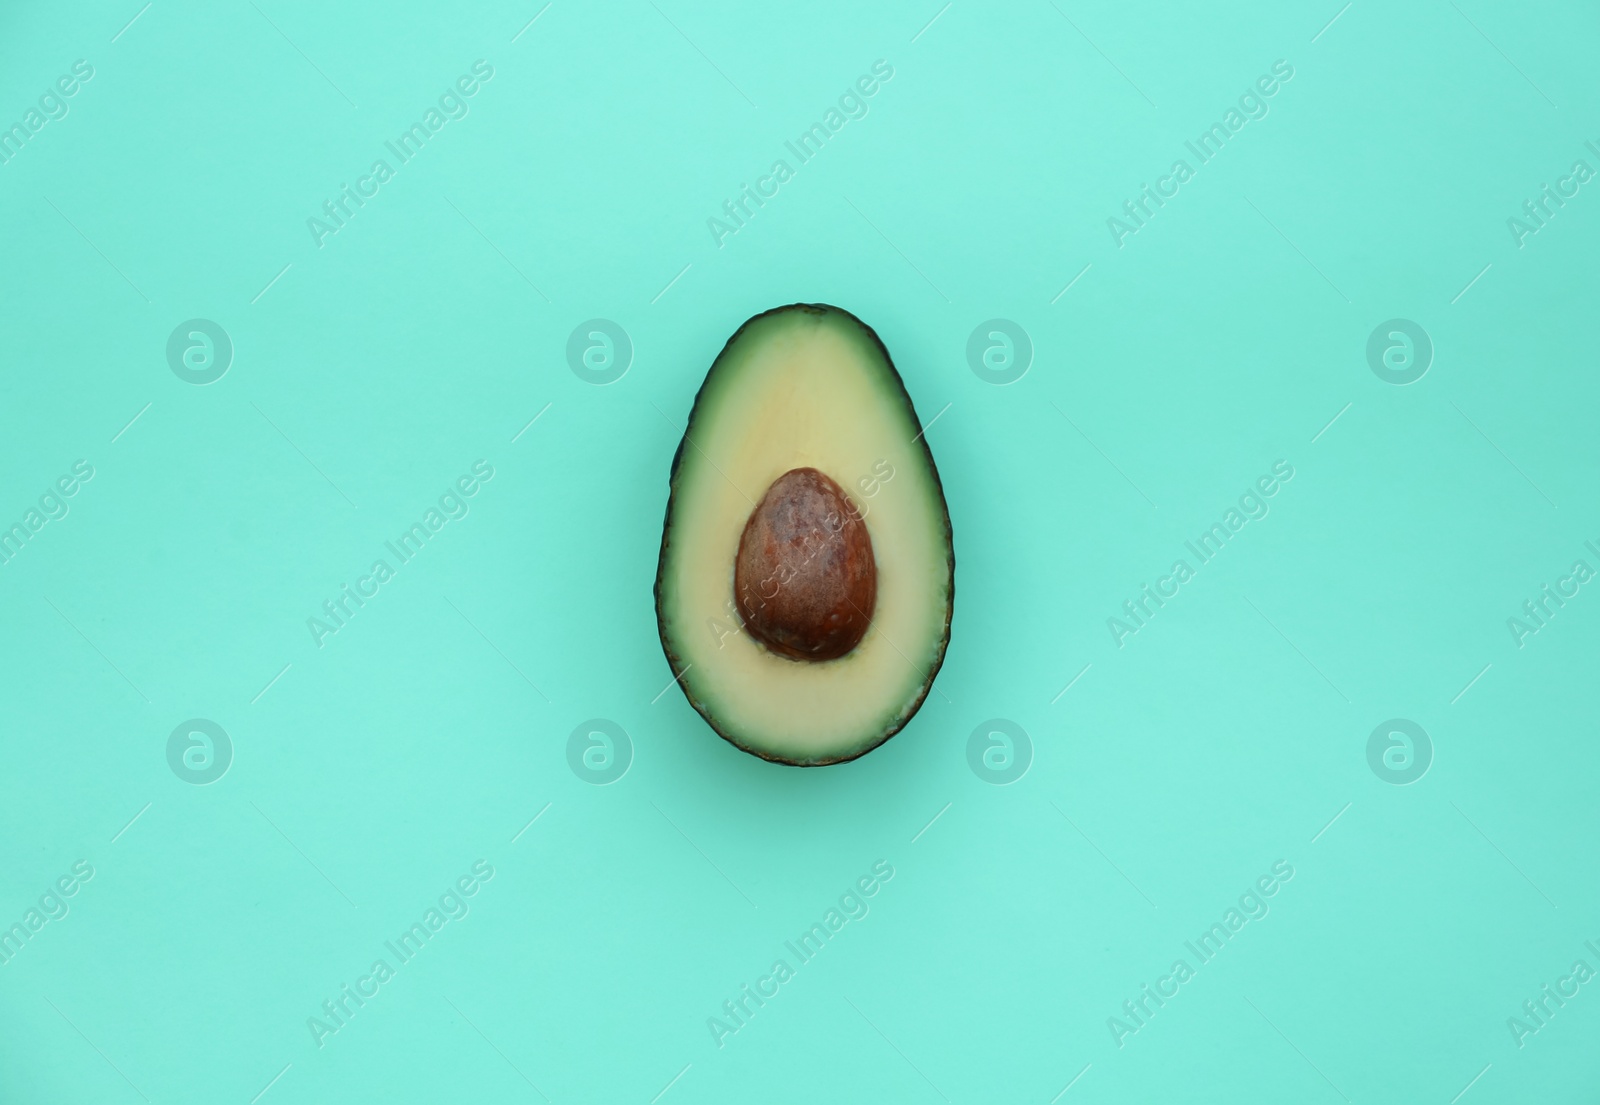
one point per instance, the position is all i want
(807, 574)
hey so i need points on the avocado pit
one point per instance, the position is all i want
(804, 578)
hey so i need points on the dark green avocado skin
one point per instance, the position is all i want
(676, 663)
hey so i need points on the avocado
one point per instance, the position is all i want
(807, 574)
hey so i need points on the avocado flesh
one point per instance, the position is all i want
(805, 386)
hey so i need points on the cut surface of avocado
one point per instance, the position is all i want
(806, 579)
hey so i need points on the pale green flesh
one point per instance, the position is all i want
(803, 388)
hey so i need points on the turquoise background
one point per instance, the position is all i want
(1229, 733)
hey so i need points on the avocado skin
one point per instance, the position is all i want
(673, 659)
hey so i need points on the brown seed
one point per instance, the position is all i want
(804, 578)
